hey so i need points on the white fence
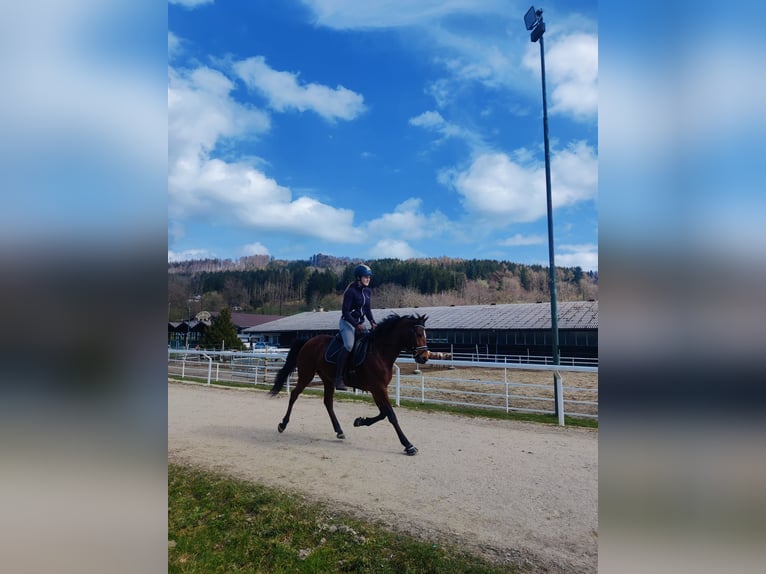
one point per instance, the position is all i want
(482, 353)
(504, 385)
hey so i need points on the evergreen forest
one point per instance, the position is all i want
(260, 284)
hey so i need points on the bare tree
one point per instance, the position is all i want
(234, 292)
(213, 301)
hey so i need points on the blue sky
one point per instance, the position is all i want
(380, 129)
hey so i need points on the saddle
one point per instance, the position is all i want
(358, 351)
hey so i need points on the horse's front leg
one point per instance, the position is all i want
(329, 389)
(387, 410)
(409, 448)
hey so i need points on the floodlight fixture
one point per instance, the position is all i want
(537, 33)
(531, 17)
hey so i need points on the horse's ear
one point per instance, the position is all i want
(423, 318)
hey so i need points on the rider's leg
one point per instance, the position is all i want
(347, 334)
(340, 385)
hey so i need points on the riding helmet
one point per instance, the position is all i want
(362, 271)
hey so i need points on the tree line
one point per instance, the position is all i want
(287, 287)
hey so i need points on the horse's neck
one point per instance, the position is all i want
(389, 352)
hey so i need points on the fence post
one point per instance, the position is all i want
(507, 398)
(422, 388)
(209, 367)
(559, 396)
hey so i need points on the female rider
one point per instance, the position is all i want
(356, 306)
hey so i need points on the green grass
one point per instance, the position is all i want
(220, 524)
(453, 409)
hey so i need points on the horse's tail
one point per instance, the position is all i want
(290, 362)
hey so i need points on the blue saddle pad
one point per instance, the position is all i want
(358, 352)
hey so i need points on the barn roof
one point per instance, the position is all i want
(571, 315)
(244, 320)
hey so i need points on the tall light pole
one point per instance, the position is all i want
(533, 20)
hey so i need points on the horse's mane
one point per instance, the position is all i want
(387, 325)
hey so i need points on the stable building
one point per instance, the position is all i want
(484, 331)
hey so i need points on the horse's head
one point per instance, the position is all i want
(420, 350)
(407, 333)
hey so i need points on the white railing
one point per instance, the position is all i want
(504, 389)
(478, 354)
(239, 367)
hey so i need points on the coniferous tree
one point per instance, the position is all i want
(222, 332)
(285, 287)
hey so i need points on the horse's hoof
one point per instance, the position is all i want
(340, 435)
(411, 450)
(280, 427)
(358, 421)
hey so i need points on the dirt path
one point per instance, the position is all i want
(516, 492)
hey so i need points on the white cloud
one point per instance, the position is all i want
(584, 256)
(344, 14)
(408, 221)
(393, 248)
(174, 45)
(431, 120)
(445, 32)
(520, 240)
(434, 122)
(189, 255)
(574, 174)
(190, 3)
(498, 189)
(571, 70)
(202, 113)
(440, 90)
(256, 248)
(284, 91)
(236, 193)
(469, 57)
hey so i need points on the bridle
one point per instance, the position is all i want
(420, 352)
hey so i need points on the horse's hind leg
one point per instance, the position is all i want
(297, 390)
(368, 421)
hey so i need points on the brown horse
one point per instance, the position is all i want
(392, 335)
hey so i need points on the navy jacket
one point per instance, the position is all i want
(356, 304)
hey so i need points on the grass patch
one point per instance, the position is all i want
(220, 524)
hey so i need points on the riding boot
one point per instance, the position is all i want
(340, 367)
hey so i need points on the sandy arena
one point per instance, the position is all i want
(517, 493)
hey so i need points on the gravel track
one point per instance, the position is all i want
(519, 493)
